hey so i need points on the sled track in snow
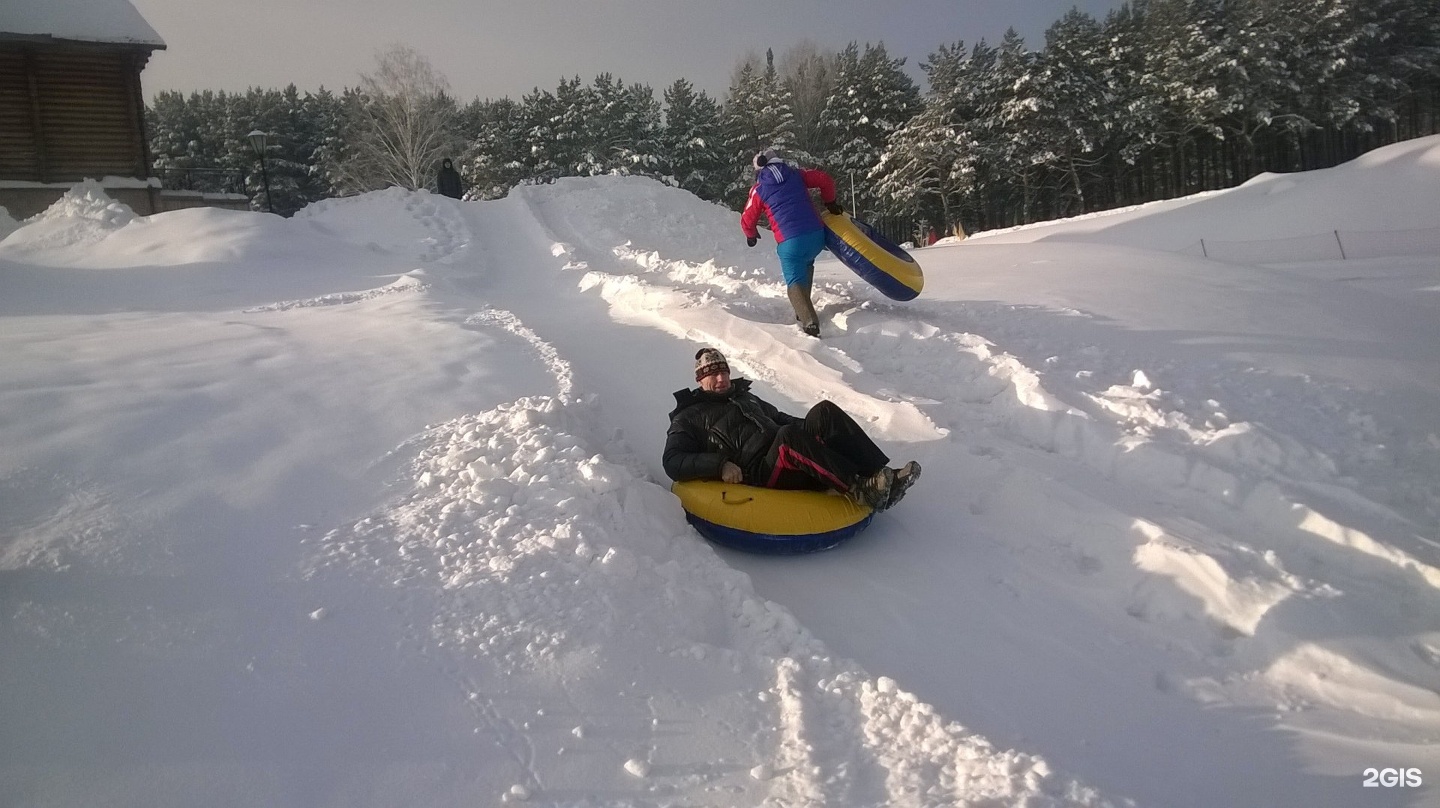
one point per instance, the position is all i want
(532, 554)
(1265, 518)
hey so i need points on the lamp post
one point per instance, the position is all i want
(257, 142)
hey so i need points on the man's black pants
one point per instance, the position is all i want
(827, 450)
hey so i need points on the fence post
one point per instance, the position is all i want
(1342, 246)
(1203, 251)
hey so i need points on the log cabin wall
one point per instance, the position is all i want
(70, 111)
(19, 144)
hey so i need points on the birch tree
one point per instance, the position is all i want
(402, 126)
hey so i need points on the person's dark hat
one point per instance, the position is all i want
(708, 362)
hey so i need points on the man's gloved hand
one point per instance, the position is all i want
(750, 241)
(730, 473)
(834, 207)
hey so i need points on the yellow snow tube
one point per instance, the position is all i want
(769, 520)
(873, 257)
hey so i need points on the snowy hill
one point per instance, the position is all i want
(365, 507)
(1389, 189)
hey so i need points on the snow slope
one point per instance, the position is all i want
(365, 507)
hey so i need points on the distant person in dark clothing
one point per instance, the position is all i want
(722, 431)
(447, 182)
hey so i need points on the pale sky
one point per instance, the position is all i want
(493, 49)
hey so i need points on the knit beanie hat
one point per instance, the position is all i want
(765, 158)
(708, 362)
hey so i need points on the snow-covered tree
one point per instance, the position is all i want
(928, 169)
(622, 125)
(323, 113)
(547, 152)
(692, 142)
(568, 127)
(499, 153)
(757, 116)
(1072, 103)
(808, 76)
(872, 99)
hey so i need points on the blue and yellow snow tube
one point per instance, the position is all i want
(768, 520)
(873, 257)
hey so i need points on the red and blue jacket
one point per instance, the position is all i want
(782, 194)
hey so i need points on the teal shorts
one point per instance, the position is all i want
(797, 256)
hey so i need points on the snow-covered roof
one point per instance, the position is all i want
(78, 20)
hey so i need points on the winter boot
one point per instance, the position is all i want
(905, 476)
(873, 492)
(804, 310)
(813, 329)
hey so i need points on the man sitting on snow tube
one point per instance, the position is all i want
(722, 431)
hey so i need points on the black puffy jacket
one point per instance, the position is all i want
(706, 429)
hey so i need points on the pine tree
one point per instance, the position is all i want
(974, 178)
(642, 124)
(1137, 109)
(743, 135)
(542, 153)
(603, 105)
(499, 154)
(928, 167)
(230, 139)
(568, 125)
(1072, 101)
(170, 122)
(873, 99)
(1391, 61)
(334, 154)
(692, 143)
(324, 114)
(922, 172)
(776, 108)
(757, 116)
(621, 128)
(288, 148)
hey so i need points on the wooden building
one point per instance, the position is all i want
(70, 102)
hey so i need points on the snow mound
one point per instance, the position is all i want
(191, 236)
(7, 223)
(1389, 189)
(646, 215)
(84, 216)
(410, 224)
(73, 233)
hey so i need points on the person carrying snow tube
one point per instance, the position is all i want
(722, 431)
(782, 193)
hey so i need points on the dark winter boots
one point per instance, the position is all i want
(880, 491)
(873, 492)
(905, 476)
(804, 310)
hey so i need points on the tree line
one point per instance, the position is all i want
(1161, 98)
